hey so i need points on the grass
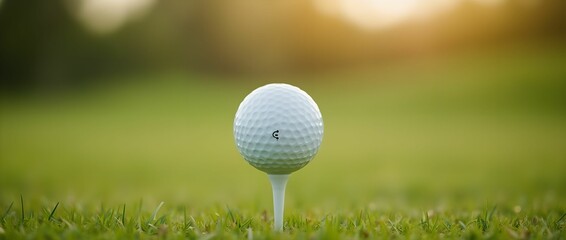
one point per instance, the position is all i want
(468, 146)
(177, 222)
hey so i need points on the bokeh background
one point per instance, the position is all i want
(426, 103)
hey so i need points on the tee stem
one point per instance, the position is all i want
(278, 183)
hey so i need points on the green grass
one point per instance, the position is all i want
(468, 146)
(178, 222)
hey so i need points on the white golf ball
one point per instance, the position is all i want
(278, 128)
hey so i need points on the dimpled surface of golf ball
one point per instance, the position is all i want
(278, 128)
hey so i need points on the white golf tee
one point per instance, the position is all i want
(278, 183)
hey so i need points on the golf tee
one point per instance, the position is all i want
(278, 183)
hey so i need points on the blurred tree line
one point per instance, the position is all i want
(42, 45)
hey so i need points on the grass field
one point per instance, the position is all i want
(463, 146)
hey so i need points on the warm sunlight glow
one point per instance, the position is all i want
(379, 14)
(105, 16)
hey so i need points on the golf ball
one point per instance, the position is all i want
(278, 128)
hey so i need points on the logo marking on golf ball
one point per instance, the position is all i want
(275, 135)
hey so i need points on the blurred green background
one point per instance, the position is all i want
(425, 104)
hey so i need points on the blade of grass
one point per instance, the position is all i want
(7, 211)
(22, 203)
(124, 214)
(490, 214)
(53, 212)
(185, 218)
(152, 218)
(139, 215)
(560, 219)
(231, 215)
